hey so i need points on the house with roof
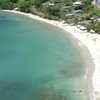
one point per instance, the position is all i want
(77, 11)
(77, 3)
(46, 4)
(70, 15)
(66, 7)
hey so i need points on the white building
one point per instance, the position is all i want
(77, 3)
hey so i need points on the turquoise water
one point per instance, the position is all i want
(37, 62)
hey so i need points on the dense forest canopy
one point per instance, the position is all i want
(6, 4)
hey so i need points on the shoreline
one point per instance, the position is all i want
(91, 41)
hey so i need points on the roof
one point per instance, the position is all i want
(66, 7)
(77, 11)
(92, 18)
(72, 14)
(48, 3)
(77, 3)
(82, 28)
(92, 31)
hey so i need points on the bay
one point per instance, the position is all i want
(37, 62)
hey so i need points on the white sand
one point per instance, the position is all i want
(91, 41)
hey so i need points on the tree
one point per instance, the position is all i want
(53, 10)
(39, 2)
(25, 6)
(14, 1)
(6, 4)
(62, 14)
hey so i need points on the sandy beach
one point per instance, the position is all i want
(91, 41)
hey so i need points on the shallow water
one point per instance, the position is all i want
(37, 62)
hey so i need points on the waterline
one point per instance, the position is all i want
(29, 50)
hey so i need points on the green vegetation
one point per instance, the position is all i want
(39, 2)
(25, 6)
(53, 10)
(14, 1)
(56, 9)
(94, 26)
(6, 4)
